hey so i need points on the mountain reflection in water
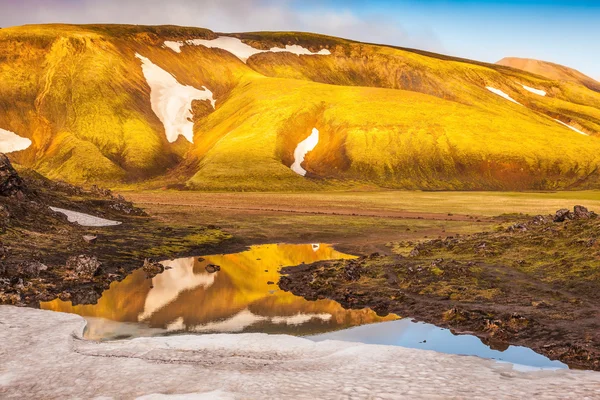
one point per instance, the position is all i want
(238, 298)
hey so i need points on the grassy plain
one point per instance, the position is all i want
(358, 222)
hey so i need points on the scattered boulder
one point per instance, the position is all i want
(84, 266)
(580, 212)
(212, 268)
(31, 269)
(90, 238)
(11, 184)
(152, 268)
(562, 215)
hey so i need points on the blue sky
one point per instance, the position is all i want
(565, 32)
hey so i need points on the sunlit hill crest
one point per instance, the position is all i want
(134, 106)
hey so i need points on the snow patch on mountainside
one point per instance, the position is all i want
(171, 101)
(42, 350)
(502, 94)
(10, 142)
(539, 92)
(175, 46)
(571, 127)
(240, 49)
(85, 219)
(304, 147)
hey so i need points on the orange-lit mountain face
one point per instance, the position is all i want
(149, 107)
(551, 71)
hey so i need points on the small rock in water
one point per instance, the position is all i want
(212, 268)
(152, 268)
(90, 238)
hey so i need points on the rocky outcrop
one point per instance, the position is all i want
(579, 212)
(84, 266)
(11, 183)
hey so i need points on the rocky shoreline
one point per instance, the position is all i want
(44, 256)
(532, 282)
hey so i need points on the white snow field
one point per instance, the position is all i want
(502, 94)
(571, 127)
(43, 356)
(539, 92)
(304, 147)
(239, 49)
(85, 219)
(171, 101)
(10, 142)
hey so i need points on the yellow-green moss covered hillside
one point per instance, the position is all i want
(112, 104)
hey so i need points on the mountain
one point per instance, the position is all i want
(551, 71)
(155, 106)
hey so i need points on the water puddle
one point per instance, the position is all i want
(418, 335)
(243, 296)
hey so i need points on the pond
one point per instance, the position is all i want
(243, 296)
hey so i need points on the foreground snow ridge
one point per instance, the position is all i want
(502, 94)
(85, 219)
(171, 101)
(539, 92)
(240, 49)
(304, 147)
(10, 142)
(571, 127)
(39, 346)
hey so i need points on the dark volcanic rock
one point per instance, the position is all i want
(580, 212)
(562, 215)
(11, 183)
(90, 238)
(84, 266)
(212, 268)
(152, 268)
(31, 269)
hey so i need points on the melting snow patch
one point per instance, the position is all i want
(304, 147)
(535, 91)
(214, 395)
(502, 94)
(10, 142)
(175, 46)
(85, 219)
(571, 127)
(251, 366)
(240, 49)
(171, 101)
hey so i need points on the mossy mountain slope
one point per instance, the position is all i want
(386, 116)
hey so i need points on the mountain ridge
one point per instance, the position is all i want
(387, 117)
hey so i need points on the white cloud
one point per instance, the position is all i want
(224, 16)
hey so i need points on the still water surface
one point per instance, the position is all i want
(244, 297)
